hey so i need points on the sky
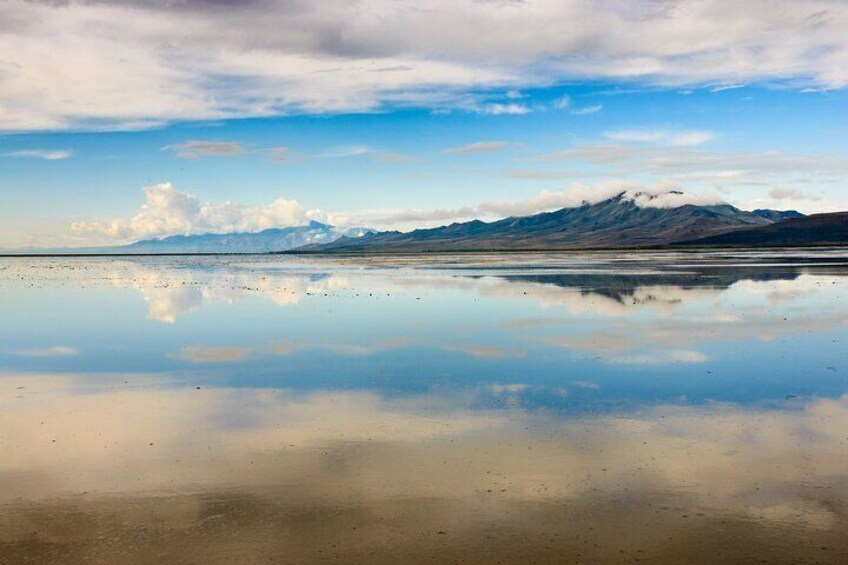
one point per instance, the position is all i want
(125, 120)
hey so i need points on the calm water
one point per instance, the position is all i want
(520, 408)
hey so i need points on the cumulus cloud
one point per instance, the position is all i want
(118, 64)
(196, 149)
(478, 147)
(166, 211)
(672, 199)
(46, 154)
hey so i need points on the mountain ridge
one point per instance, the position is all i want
(623, 220)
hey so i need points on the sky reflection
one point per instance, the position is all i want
(515, 408)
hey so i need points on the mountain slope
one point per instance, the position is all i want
(817, 229)
(615, 222)
(778, 215)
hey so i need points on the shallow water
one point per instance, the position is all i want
(547, 408)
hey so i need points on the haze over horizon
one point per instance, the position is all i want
(122, 121)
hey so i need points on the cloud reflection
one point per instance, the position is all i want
(771, 467)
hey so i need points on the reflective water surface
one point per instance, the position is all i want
(540, 408)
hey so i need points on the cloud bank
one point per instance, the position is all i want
(166, 211)
(130, 64)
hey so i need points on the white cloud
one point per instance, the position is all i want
(478, 147)
(505, 109)
(723, 87)
(46, 154)
(167, 211)
(681, 138)
(673, 199)
(117, 64)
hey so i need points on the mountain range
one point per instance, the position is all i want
(627, 220)
(266, 241)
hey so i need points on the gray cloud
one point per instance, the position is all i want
(129, 65)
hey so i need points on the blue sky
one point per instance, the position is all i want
(252, 136)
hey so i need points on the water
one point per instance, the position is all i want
(587, 408)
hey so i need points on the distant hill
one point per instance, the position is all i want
(817, 229)
(613, 223)
(266, 241)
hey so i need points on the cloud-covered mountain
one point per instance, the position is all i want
(625, 220)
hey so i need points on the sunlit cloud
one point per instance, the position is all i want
(166, 211)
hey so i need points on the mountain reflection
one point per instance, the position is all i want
(173, 288)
